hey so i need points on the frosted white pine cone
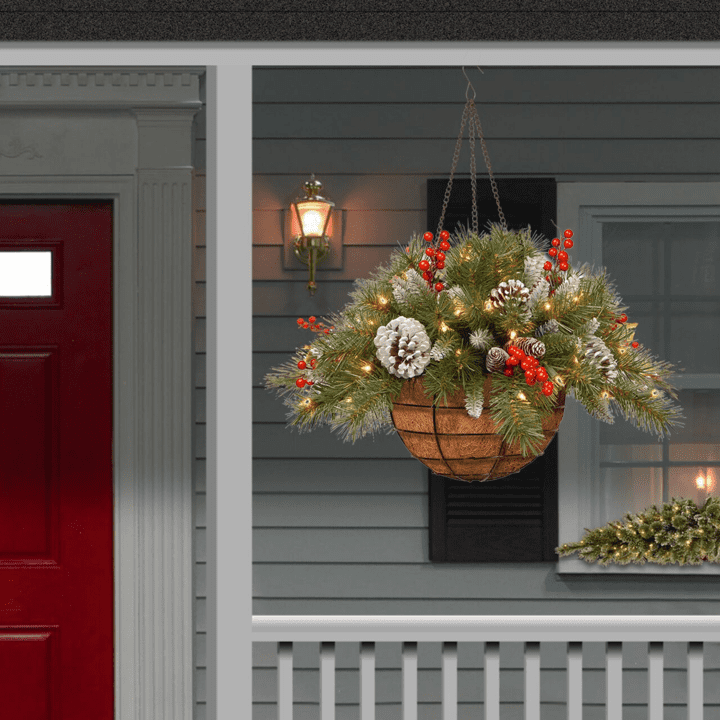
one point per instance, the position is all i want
(495, 360)
(598, 353)
(403, 347)
(506, 291)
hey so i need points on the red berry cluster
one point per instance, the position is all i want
(619, 321)
(531, 365)
(435, 259)
(312, 324)
(560, 258)
(301, 382)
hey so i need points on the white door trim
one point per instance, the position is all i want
(150, 682)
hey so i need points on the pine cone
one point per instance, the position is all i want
(506, 291)
(403, 347)
(495, 360)
(530, 346)
(600, 355)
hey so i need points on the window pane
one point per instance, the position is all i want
(638, 241)
(702, 419)
(695, 483)
(669, 274)
(626, 490)
(694, 337)
(695, 259)
(25, 274)
(695, 452)
(631, 453)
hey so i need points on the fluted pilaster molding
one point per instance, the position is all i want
(165, 453)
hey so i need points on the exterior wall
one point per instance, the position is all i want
(342, 529)
(199, 388)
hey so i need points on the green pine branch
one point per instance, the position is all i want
(678, 532)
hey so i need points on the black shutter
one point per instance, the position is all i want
(514, 519)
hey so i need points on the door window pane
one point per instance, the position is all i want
(25, 273)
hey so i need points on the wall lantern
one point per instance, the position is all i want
(311, 227)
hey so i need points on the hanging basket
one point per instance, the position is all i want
(453, 444)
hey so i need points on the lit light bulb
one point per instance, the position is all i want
(521, 396)
(383, 300)
(513, 334)
(443, 327)
(700, 482)
(313, 222)
(367, 368)
(547, 306)
(488, 305)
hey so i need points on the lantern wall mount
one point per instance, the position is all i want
(313, 233)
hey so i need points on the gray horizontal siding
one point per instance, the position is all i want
(369, 227)
(489, 582)
(522, 85)
(324, 120)
(549, 156)
(342, 528)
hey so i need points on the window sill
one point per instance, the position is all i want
(575, 566)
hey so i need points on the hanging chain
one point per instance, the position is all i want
(473, 180)
(493, 184)
(474, 126)
(456, 156)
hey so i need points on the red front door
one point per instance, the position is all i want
(56, 495)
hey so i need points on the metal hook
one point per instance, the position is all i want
(470, 85)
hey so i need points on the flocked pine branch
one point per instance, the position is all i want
(678, 532)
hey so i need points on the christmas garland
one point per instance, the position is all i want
(679, 532)
(457, 309)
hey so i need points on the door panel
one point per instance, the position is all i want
(56, 503)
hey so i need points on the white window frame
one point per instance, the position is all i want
(584, 207)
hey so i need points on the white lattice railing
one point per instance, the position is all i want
(532, 631)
